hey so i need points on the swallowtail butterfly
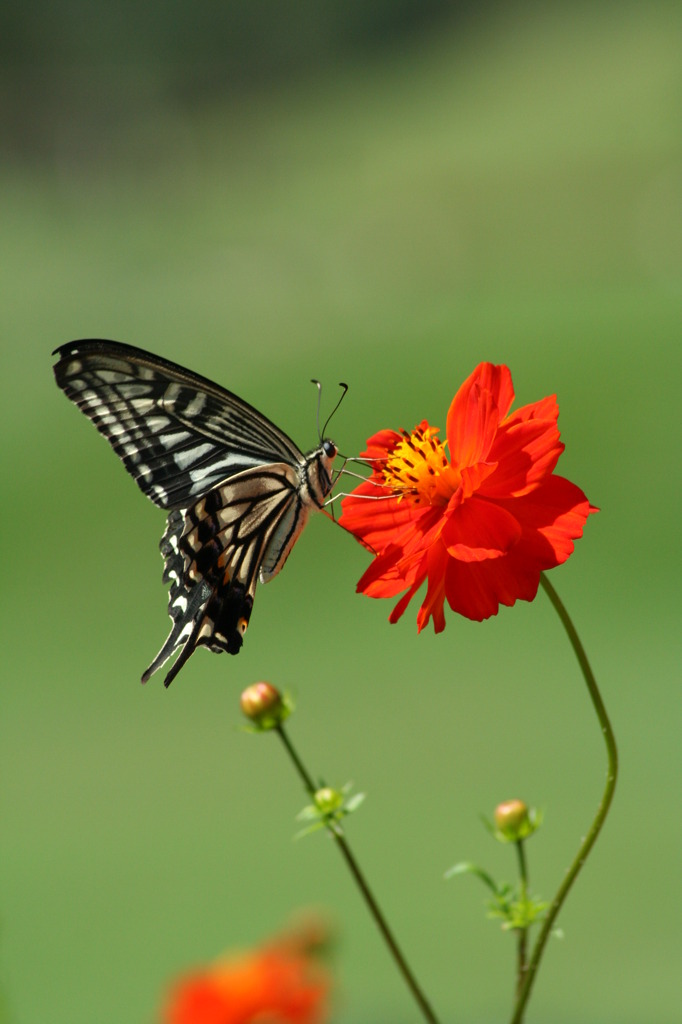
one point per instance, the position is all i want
(238, 491)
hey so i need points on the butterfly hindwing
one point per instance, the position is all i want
(214, 553)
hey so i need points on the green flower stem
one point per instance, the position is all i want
(362, 884)
(602, 810)
(522, 938)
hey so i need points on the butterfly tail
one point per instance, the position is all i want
(185, 633)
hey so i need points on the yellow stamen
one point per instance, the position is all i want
(418, 466)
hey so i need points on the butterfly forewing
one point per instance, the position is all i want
(177, 433)
(238, 489)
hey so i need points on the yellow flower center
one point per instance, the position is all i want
(418, 466)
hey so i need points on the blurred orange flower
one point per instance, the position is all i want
(480, 523)
(279, 983)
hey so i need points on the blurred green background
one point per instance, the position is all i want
(385, 194)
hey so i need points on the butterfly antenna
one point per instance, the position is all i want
(319, 402)
(321, 433)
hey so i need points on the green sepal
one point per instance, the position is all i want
(467, 868)
(507, 903)
(329, 808)
(516, 913)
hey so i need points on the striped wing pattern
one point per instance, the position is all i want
(238, 490)
(214, 555)
(177, 433)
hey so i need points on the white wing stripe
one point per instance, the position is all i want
(184, 459)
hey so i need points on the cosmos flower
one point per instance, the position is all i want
(281, 983)
(478, 516)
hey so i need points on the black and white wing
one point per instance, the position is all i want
(216, 551)
(178, 434)
(238, 490)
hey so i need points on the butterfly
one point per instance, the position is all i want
(238, 491)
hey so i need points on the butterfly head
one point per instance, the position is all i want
(329, 449)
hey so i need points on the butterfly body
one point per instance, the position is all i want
(238, 490)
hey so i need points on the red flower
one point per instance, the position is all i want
(279, 983)
(481, 525)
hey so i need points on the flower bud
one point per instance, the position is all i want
(264, 705)
(512, 820)
(328, 800)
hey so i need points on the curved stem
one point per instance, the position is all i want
(602, 810)
(522, 938)
(364, 888)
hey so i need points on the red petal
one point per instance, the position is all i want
(404, 601)
(386, 577)
(545, 409)
(498, 381)
(478, 530)
(196, 1001)
(552, 517)
(474, 476)
(472, 423)
(480, 404)
(526, 453)
(436, 564)
(380, 444)
(384, 524)
(375, 515)
(476, 589)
